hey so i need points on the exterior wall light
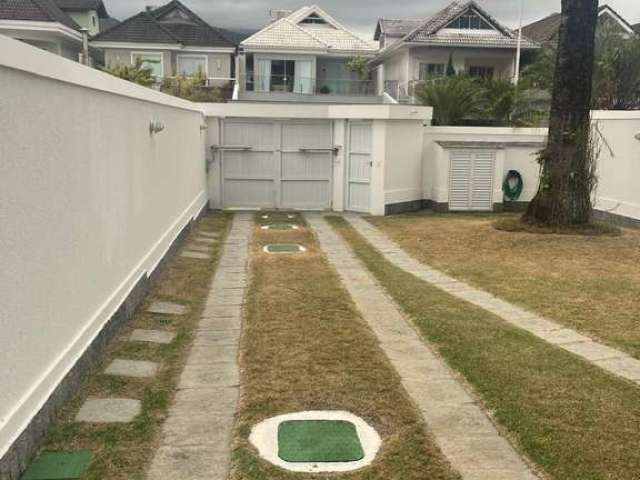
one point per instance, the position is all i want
(155, 127)
(638, 136)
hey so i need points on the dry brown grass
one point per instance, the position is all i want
(305, 347)
(590, 283)
(123, 451)
(573, 419)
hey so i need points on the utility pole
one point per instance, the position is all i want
(516, 78)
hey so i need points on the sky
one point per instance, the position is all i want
(358, 15)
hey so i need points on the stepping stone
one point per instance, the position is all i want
(195, 255)
(208, 241)
(132, 368)
(199, 248)
(167, 308)
(152, 336)
(206, 233)
(284, 248)
(109, 410)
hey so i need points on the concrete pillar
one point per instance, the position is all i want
(339, 164)
(378, 158)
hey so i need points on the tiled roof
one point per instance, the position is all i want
(543, 30)
(546, 29)
(83, 6)
(289, 33)
(396, 27)
(35, 11)
(107, 23)
(156, 26)
(430, 32)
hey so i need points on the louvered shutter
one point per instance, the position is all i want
(471, 180)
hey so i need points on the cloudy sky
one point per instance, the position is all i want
(359, 15)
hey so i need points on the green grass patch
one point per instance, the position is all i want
(571, 418)
(124, 451)
(319, 441)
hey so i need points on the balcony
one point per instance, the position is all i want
(307, 89)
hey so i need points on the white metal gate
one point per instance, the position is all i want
(471, 180)
(359, 167)
(277, 164)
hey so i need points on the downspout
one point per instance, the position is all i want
(84, 59)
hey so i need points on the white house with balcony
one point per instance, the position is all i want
(305, 56)
(463, 33)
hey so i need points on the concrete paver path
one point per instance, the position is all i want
(196, 437)
(462, 430)
(612, 360)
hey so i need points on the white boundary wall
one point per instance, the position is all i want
(619, 163)
(516, 149)
(90, 202)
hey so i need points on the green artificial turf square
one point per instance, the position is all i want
(319, 441)
(283, 248)
(280, 226)
(58, 466)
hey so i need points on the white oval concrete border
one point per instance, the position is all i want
(301, 249)
(264, 437)
(268, 227)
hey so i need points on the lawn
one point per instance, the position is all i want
(574, 420)
(124, 451)
(588, 283)
(305, 347)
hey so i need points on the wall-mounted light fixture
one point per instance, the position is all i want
(638, 136)
(155, 126)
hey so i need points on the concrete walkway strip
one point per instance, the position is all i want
(612, 360)
(197, 435)
(462, 430)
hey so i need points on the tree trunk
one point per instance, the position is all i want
(567, 177)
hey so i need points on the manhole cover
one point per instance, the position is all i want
(58, 466)
(280, 226)
(316, 441)
(319, 441)
(284, 248)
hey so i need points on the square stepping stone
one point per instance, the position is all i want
(58, 466)
(199, 248)
(152, 336)
(195, 255)
(132, 368)
(207, 241)
(109, 410)
(206, 233)
(167, 308)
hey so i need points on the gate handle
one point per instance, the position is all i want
(334, 150)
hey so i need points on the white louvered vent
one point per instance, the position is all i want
(471, 180)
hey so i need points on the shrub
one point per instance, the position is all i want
(136, 73)
(193, 88)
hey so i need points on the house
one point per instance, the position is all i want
(172, 41)
(545, 31)
(43, 24)
(414, 50)
(89, 14)
(304, 56)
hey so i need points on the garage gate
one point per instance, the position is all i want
(277, 164)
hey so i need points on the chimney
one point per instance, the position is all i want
(149, 8)
(279, 14)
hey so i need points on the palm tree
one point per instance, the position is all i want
(567, 176)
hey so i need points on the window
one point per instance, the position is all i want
(429, 70)
(150, 60)
(481, 72)
(314, 18)
(191, 65)
(93, 20)
(470, 21)
(282, 75)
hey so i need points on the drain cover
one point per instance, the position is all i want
(280, 226)
(58, 466)
(284, 248)
(319, 441)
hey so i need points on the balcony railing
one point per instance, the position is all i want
(307, 86)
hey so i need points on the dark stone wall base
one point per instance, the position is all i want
(404, 207)
(20, 454)
(614, 219)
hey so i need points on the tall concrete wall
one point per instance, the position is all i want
(90, 202)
